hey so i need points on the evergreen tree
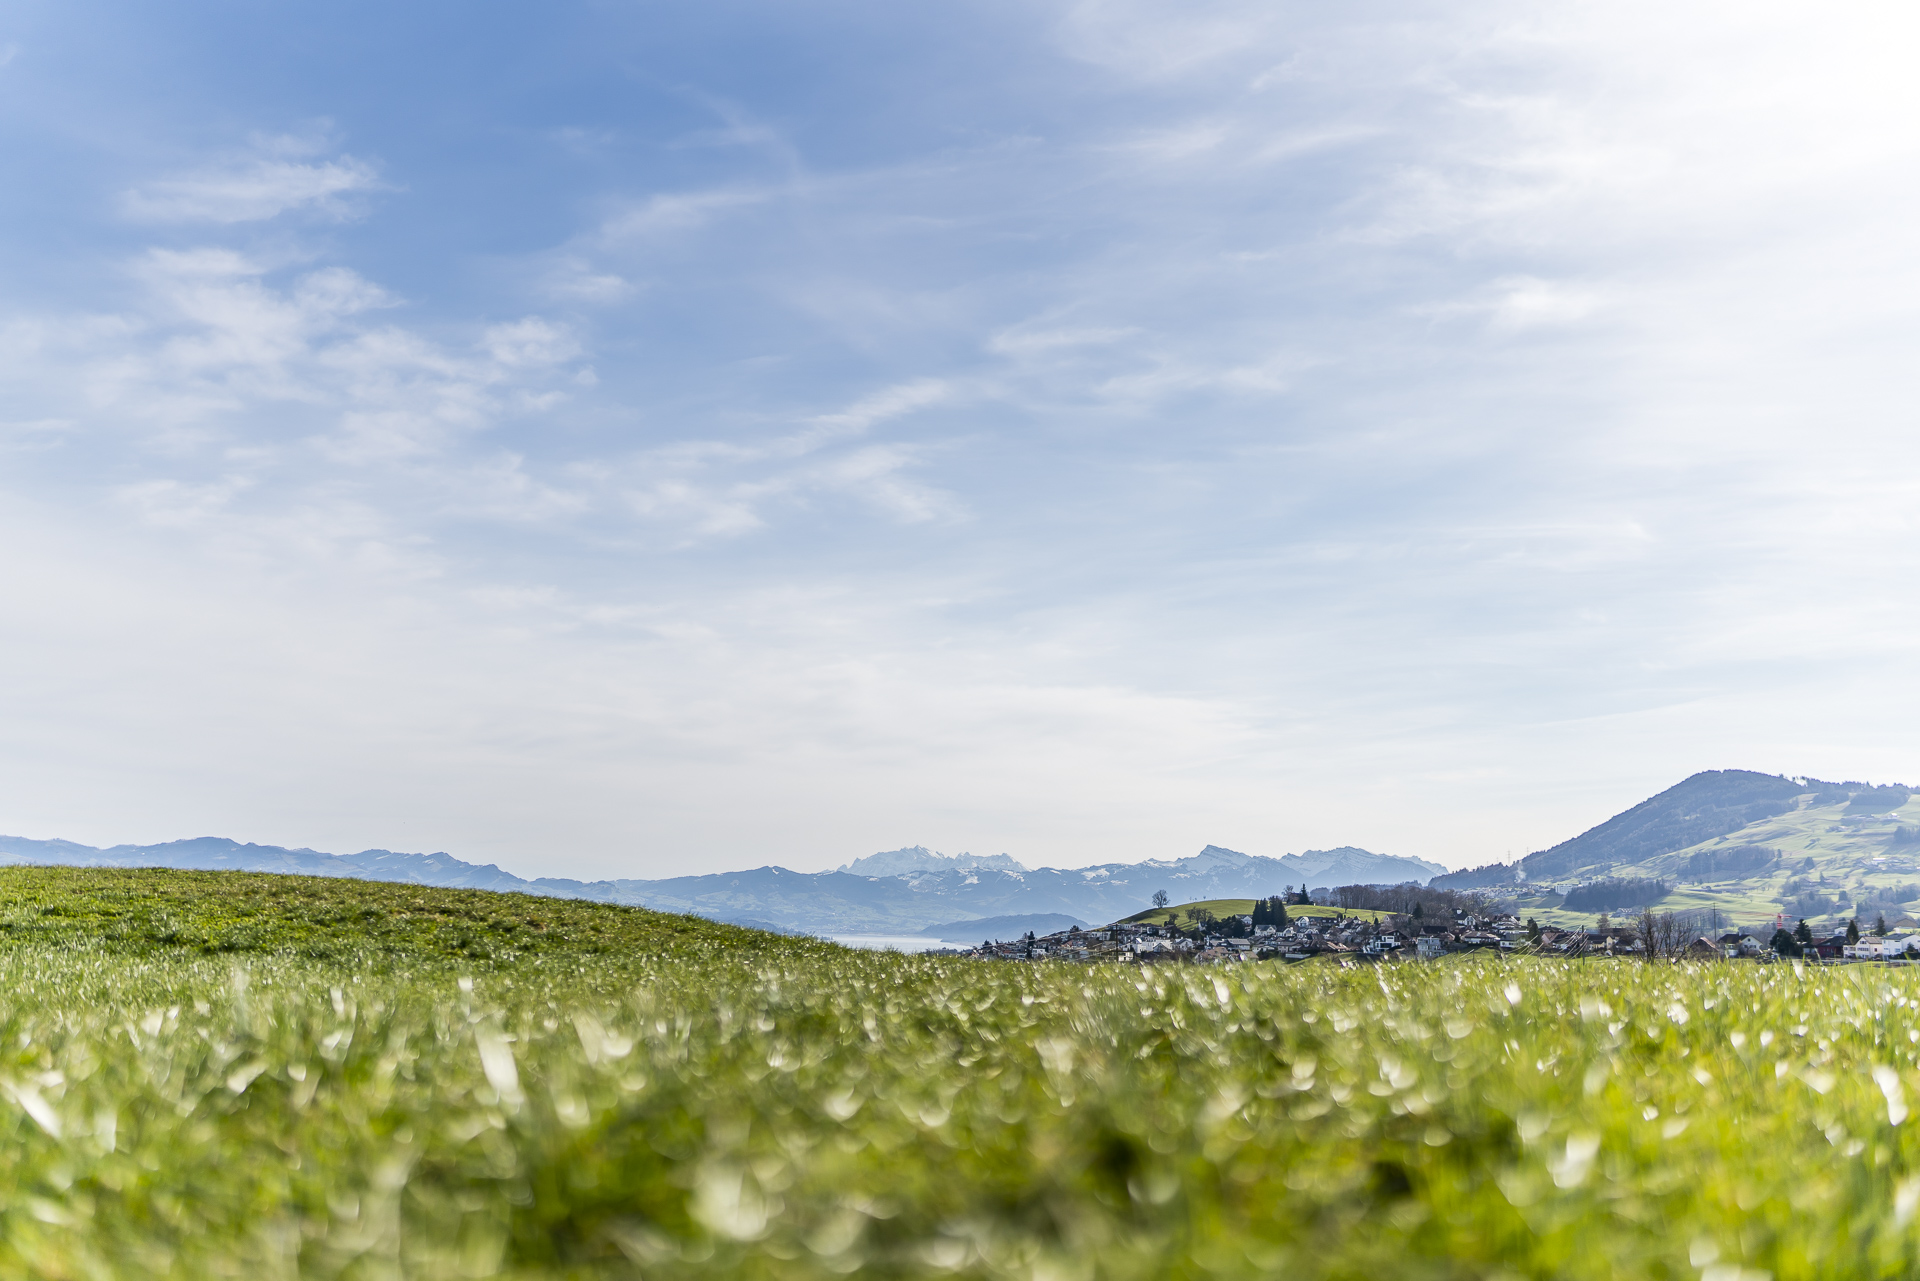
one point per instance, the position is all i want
(1784, 943)
(1853, 930)
(1880, 926)
(1270, 911)
(1803, 933)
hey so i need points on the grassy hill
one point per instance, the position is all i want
(216, 1075)
(1178, 913)
(367, 925)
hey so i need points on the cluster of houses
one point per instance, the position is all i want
(1395, 937)
(1239, 939)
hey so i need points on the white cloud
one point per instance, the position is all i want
(671, 212)
(1029, 340)
(176, 503)
(277, 178)
(247, 393)
(878, 474)
(1154, 42)
(1514, 304)
(727, 489)
(530, 342)
(574, 279)
(872, 410)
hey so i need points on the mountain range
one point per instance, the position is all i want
(928, 890)
(1753, 843)
(918, 858)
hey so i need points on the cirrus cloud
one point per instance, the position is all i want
(278, 175)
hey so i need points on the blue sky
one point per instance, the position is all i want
(623, 439)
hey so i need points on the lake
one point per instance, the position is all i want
(891, 942)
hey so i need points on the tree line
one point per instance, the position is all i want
(1413, 899)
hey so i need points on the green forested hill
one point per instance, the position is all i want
(1704, 807)
(1748, 845)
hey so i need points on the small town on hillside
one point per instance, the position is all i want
(1271, 933)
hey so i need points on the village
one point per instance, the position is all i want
(1394, 937)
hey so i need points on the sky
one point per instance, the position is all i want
(632, 439)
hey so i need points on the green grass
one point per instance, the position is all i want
(159, 913)
(1177, 913)
(223, 1076)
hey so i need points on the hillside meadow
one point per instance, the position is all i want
(214, 1075)
(1180, 914)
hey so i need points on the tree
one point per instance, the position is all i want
(1803, 933)
(1159, 898)
(1784, 943)
(1604, 923)
(1649, 927)
(1880, 926)
(1419, 910)
(1853, 930)
(1533, 930)
(1666, 933)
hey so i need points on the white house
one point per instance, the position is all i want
(1883, 949)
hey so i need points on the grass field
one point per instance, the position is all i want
(214, 1075)
(1178, 912)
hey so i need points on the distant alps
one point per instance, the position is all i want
(900, 891)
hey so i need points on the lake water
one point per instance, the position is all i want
(891, 942)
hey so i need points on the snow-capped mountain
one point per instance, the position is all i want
(918, 858)
(931, 889)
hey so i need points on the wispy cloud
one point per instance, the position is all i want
(670, 212)
(726, 489)
(277, 175)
